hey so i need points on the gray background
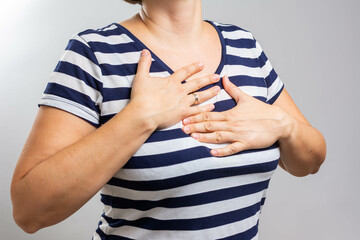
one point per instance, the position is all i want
(313, 45)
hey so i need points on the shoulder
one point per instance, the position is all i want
(111, 34)
(238, 40)
(231, 31)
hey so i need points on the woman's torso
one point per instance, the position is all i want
(173, 188)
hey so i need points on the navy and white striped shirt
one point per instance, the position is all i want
(172, 188)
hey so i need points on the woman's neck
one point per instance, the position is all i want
(173, 20)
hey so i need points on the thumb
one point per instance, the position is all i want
(144, 63)
(233, 90)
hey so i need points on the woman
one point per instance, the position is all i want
(175, 157)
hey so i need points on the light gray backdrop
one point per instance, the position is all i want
(313, 45)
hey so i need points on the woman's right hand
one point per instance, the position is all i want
(165, 101)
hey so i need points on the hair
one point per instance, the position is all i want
(134, 1)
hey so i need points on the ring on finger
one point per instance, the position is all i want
(197, 99)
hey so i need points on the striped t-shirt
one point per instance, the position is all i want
(172, 188)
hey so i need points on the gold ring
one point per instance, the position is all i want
(196, 98)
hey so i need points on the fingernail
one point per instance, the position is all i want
(217, 89)
(195, 135)
(216, 77)
(186, 129)
(144, 52)
(186, 121)
(201, 64)
(214, 152)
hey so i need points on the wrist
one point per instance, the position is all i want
(143, 120)
(288, 125)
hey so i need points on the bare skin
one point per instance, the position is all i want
(70, 169)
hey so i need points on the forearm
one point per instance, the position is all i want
(61, 184)
(302, 148)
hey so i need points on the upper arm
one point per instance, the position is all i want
(52, 131)
(69, 108)
(285, 102)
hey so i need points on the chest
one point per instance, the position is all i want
(176, 58)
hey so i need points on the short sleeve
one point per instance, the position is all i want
(75, 84)
(273, 82)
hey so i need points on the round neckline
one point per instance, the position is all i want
(142, 46)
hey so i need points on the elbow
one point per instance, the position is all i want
(310, 168)
(26, 223)
(21, 215)
(310, 165)
(320, 159)
(304, 169)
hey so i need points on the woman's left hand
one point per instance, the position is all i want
(252, 124)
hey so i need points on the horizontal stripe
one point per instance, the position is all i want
(194, 194)
(246, 81)
(72, 107)
(118, 58)
(211, 233)
(241, 43)
(248, 234)
(250, 90)
(174, 145)
(113, 107)
(109, 27)
(256, 236)
(175, 152)
(76, 84)
(237, 34)
(175, 182)
(78, 45)
(197, 165)
(241, 52)
(80, 64)
(72, 95)
(187, 224)
(191, 212)
(109, 48)
(243, 70)
(116, 81)
(112, 40)
(248, 62)
(159, 136)
(111, 94)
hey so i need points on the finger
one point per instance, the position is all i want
(233, 90)
(144, 63)
(231, 149)
(187, 71)
(206, 117)
(215, 137)
(196, 84)
(206, 127)
(199, 109)
(202, 96)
